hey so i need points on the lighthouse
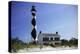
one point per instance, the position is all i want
(33, 22)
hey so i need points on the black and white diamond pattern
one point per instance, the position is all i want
(33, 22)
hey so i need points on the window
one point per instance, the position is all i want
(45, 39)
(51, 38)
(57, 38)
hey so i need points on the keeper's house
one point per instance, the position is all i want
(49, 38)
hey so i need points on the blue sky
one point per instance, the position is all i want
(49, 17)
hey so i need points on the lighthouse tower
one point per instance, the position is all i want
(33, 22)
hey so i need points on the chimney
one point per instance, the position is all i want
(56, 32)
(40, 32)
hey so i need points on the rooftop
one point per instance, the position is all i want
(50, 34)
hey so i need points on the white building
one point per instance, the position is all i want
(49, 38)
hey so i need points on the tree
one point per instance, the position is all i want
(73, 42)
(64, 42)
